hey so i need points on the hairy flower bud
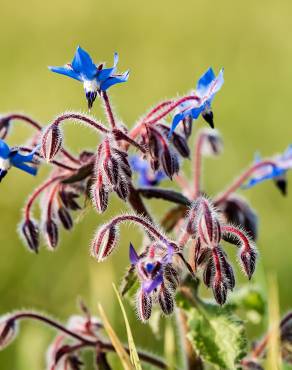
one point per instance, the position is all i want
(65, 218)
(52, 234)
(4, 127)
(212, 144)
(30, 231)
(68, 199)
(144, 305)
(51, 142)
(219, 288)
(237, 211)
(248, 259)
(209, 228)
(165, 300)
(100, 194)
(104, 242)
(169, 162)
(7, 332)
(209, 273)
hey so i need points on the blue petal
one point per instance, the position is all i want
(149, 286)
(24, 167)
(176, 120)
(107, 72)
(82, 63)
(134, 258)
(205, 80)
(4, 150)
(67, 71)
(17, 158)
(195, 112)
(114, 80)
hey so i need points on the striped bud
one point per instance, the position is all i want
(104, 242)
(68, 199)
(7, 332)
(144, 305)
(248, 259)
(100, 194)
(219, 288)
(30, 231)
(169, 162)
(52, 234)
(165, 300)
(65, 218)
(51, 142)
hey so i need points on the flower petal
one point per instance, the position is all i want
(149, 286)
(114, 80)
(205, 81)
(4, 150)
(83, 64)
(67, 71)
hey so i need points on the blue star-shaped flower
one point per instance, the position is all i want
(95, 78)
(282, 164)
(11, 157)
(147, 177)
(207, 87)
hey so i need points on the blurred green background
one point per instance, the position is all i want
(167, 45)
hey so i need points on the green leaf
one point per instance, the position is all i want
(133, 350)
(130, 283)
(216, 334)
(250, 299)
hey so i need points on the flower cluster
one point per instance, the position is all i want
(200, 223)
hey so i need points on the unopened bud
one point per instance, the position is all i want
(51, 142)
(7, 332)
(65, 218)
(104, 242)
(144, 305)
(165, 300)
(30, 231)
(51, 230)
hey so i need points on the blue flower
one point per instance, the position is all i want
(207, 87)
(147, 177)
(11, 157)
(95, 78)
(276, 172)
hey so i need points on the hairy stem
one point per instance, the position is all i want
(79, 117)
(109, 110)
(241, 179)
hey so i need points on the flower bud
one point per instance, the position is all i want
(171, 276)
(237, 211)
(7, 332)
(100, 194)
(144, 305)
(30, 231)
(51, 230)
(219, 288)
(209, 273)
(169, 162)
(4, 127)
(68, 199)
(122, 188)
(209, 228)
(181, 145)
(65, 218)
(248, 257)
(165, 300)
(212, 144)
(51, 142)
(104, 242)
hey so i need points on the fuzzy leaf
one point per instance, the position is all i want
(216, 334)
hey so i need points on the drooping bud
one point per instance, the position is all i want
(248, 258)
(144, 305)
(122, 189)
(65, 218)
(226, 269)
(212, 143)
(202, 254)
(4, 127)
(169, 162)
(179, 142)
(7, 332)
(165, 300)
(52, 234)
(104, 242)
(100, 194)
(68, 199)
(237, 211)
(209, 273)
(171, 277)
(219, 288)
(51, 142)
(30, 231)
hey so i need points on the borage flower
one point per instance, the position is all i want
(207, 87)
(147, 177)
(276, 172)
(11, 157)
(159, 278)
(95, 78)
